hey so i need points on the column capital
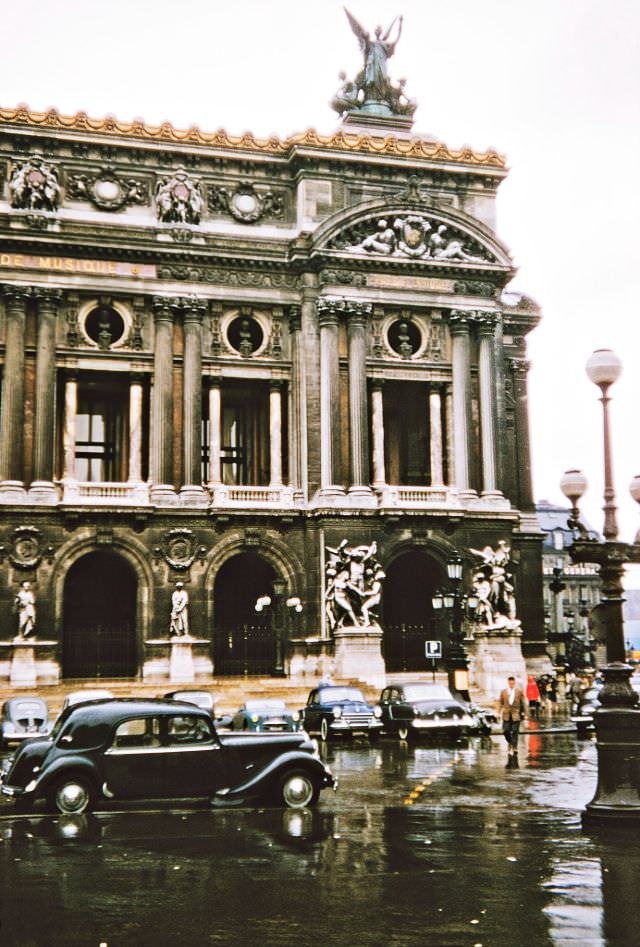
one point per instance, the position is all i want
(48, 298)
(358, 313)
(485, 321)
(15, 297)
(460, 321)
(137, 378)
(376, 384)
(519, 366)
(294, 314)
(329, 310)
(163, 308)
(192, 308)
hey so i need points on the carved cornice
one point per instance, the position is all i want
(138, 130)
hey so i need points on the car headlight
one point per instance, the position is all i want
(295, 716)
(255, 718)
(337, 712)
(377, 711)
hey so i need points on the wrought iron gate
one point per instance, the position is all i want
(403, 646)
(99, 651)
(248, 649)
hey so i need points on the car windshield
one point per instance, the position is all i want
(199, 698)
(426, 692)
(269, 705)
(336, 695)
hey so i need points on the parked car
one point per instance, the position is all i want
(150, 749)
(203, 699)
(83, 697)
(266, 715)
(333, 710)
(23, 717)
(417, 709)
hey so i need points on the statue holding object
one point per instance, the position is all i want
(354, 586)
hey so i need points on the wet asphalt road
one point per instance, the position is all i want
(420, 846)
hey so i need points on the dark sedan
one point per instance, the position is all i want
(266, 715)
(340, 711)
(22, 718)
(153, 749)
(424, 710)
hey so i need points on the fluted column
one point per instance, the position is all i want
(328, 316)
(486, 324)
(436, 443)
(358, 315)
(275, 434)
(135, 429)
(298, 404)
(377, 429)
(215, 433)
(12, 409)
(69, 428)
(42, 489)
(460, 370)
(161, 440)
(192, 491)
(520, 369)
(448, 426)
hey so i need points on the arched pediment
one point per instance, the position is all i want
(412, 233)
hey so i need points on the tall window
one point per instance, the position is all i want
(100, 434)
(244, 453)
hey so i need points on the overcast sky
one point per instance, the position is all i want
(553, 84)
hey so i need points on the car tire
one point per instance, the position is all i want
(403, 732)
(324, 729)
(298, 789)
(72, 795)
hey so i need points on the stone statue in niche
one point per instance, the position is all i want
(493, 586)
(25, 604)
(353, 585)
(34, 186)
(178, 199)
(179, 626)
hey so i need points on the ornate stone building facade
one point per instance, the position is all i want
(221, 356)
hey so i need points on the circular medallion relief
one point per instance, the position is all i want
(107, 189)
(404, 337)
(104, 326)
(245, 335)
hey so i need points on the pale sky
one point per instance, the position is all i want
(553, 84)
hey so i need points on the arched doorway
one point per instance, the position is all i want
(407, 611)
(244, 640)
(99, 618)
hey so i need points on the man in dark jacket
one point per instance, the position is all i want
(512, 707)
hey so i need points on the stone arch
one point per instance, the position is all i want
(131, 550)
(372, 211)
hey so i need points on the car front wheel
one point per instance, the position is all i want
(72, 795)
(298, 790)
(324, 729)
(403, 732)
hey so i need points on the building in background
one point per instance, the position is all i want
(222, 356)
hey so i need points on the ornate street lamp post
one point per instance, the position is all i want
(617, 723)
(280, 611)
(455, 601)
(558, 633)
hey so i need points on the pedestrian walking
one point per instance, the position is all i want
(532, 692)
(512, 707)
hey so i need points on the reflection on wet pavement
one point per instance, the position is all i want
(483, 855)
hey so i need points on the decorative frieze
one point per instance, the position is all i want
(106, 190)
(246, 203)
(218, 275)
(413, 236)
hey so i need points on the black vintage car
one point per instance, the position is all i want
(417, 709)
(333, 710)
(152, 749)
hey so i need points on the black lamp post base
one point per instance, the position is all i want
(617, 797)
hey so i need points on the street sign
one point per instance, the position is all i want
(433, 649)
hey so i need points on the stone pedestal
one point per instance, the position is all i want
(494, 655)
(25, 662)
(177, 660)
(358, 655)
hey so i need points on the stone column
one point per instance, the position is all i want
(460, 370)
(42, 489)
(192, 492)
(215, 433)
(69, 428)
(161, 440)
(486, 323)
(135, 429)
(436, 443)
(519, 369)
(12, 407)
(358, 316)
(298, 426)
(328, 316)
(377, 424)
(448, 424)
(275, 434)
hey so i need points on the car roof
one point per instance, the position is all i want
(108, 711)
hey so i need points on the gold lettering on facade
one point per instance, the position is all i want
(18, 261)
(393, 281)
